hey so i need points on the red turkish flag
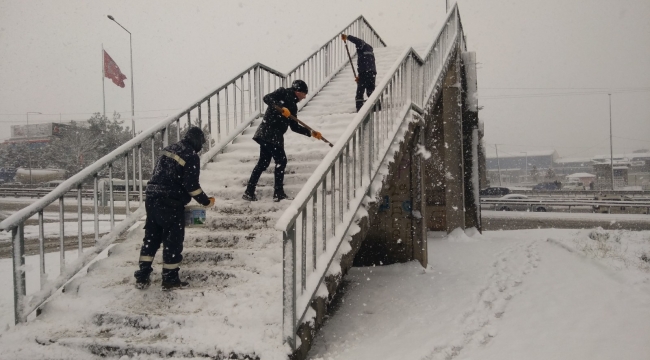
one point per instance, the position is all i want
(112, 71)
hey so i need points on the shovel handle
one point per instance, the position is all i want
(350, 58)
(279, 109)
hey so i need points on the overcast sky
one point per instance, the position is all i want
(530, 53)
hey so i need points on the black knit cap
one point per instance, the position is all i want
(300, 86)
(195, 138)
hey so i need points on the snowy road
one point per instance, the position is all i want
(503, 295)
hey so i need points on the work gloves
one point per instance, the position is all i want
(285, 112)
(356, 78)
(317, 135)
(212, 200)
(344, 37)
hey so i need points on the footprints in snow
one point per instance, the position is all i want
(478, 323)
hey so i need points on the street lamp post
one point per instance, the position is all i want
(29, 150)
(611, 146)
(132, 99)
(131, 54)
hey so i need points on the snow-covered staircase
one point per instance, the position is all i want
(233, 308)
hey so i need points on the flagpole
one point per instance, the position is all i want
(103, 76)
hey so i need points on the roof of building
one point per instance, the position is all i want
(573, 160)
(524, 154)
(581, 175)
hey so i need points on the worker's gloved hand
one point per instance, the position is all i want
(212, 200)
(317, 135)
(356, 78)
(344, 37)
(285, 112)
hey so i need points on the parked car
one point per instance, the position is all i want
(548, 186)
(494, 191)
(512, 206)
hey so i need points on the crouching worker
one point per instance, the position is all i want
(175, 181)
(270, 136)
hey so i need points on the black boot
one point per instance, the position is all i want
(360, 104)
(142, 276)
(279, 195)
(249, 194)
(171, 280)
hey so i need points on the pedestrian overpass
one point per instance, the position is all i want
(263, 273)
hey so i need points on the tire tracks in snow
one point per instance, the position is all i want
(478, 325)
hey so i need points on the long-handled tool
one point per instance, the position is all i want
(350, 57)
(303, 125)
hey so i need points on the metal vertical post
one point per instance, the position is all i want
(61, 235)
(80, 220)
(303, 252)
(314, 222)
(96, 209)
(324, 212)
(289, 286)
(41, 248)
(18, 256)
(140, 173)
(126, 187)
(333, 199)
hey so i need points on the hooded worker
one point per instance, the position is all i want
(175, 181)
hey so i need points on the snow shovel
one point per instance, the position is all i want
(350, 57)
(279, 109)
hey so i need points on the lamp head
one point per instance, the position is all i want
(110, 17)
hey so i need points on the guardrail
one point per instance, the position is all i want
(323, 211)
(226, 112)
(533, 205)
(568, 193)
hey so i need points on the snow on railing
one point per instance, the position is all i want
(322, 215)
(224, 114)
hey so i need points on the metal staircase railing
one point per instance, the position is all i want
(226, 112)
(323, 213)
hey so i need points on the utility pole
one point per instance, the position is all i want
(498, 164)
(611, 146)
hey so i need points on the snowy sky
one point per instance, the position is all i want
(51, 59)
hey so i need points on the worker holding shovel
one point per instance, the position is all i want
(366, 66)
(279, 117)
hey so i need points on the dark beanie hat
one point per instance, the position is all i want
(300, 86)
(195, 138)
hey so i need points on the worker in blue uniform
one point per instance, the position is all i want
(367, 70)
(175, 181)
(270, 136)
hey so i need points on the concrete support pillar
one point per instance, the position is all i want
(453, 147)
(434, 169)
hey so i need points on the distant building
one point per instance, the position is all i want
(513, 166)
(604, 175)
(40, 134)
(566, 166)
(584, 178)
(638, 162)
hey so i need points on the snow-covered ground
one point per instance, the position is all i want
(32, 281)
(525, 294)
